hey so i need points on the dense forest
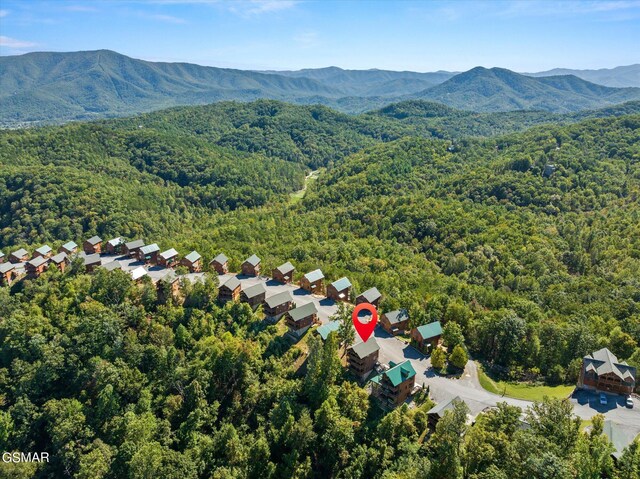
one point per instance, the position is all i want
(527, 241)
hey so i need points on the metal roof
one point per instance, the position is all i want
(38, 261)
(371, 295)
(278, 299)
(112, 265)
(92, 259)
(341, 284)
(115, 241)
(314, 276)
(94, 240)
(5, 267)
(397, 316)
(431, 330)
(253, 260)
(400, 372)
(70, 246)
(170, 253)
(620, 435)
(444, 406)
(134, 244)
(221, 258)
(193, 257)
(20, 253)
(254, 290)
(304, 311)
(44, 249)
(286, 268)
(365, 348)
(150, 248)
(232, 283)
(138, 273)
(59, 258)
(328, 328)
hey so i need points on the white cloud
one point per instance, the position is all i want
(9, 42)
(167, 19)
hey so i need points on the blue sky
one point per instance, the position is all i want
(288, 34)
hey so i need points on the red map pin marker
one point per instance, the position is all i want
(364, 329)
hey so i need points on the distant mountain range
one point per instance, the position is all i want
(56, 87)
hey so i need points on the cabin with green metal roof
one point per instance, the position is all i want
(193, 261)
(426, 337)
(327, 329)
(283, 273)
(394, 386)
(339, 290)
(313, 281)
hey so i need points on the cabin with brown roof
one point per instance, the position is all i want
(283, 273)
(253, 295)
(60, 261)
(300, 319)
(193, 261)
(131, 248)
(278, 304)
(339, 290)
(426, 338)
(169, 258)
(115, 246)
(230, 290)
(36, 266)
(370, 296)
(394, 385)
(313, 282)
(19, 256)
(220, 264)
(93, 245)
(148, 254)
(363, 357)
(7, 273)
(91, 262)
(251, 266)
(45, 251)
(69, 248)
(601, 371)
(395, 322)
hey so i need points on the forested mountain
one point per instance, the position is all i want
(498, 89)
(618, 77)
(58, 87)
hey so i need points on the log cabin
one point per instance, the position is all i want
(283, 273)
(363, 357)
(60, 261)
(339, 290)
(251, 266)
(169, 258)
(7, 273)
(193, 261)
(45, 251)
(370, 296)
(253, 295)
(426, 337)
(168, 286)
(115, 246)
(1, 257)
(312, 282)
(220, 264)
(91, 262)
(69, 247)
(36, 266)
(19, 256)
(131, 248)
(148, 254)
(278, 304)
(602, 371)
(300, 319)
(230, 290)
(394, 386)
(395, 322)
(138, 273)
(93, 245)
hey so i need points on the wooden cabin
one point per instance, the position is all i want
(19, 256)
(69, 248)
(7, 273)
(45, 251)
(138, 274)
(193, 261)
(395, 322)
(115, 246)
(148, 254)
(91, 262)
(112, 265)
(253, 295)
(313, 282)
(339, 290)
(36, 266)
(220, 264)
(1, 257)
(60, 261)
(426, 337)
(363, 357)
(230, 290)
(283, 273)
(278, 304)
(300, 319)
(131, 248)
(394, 386)
(370, 296)
(169, 258)
(602, 371)
(251, 266)
(93, 245)
(168, 286)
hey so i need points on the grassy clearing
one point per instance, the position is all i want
(527, 391)
(298, 195)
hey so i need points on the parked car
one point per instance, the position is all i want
(603, 399)
(629, 402)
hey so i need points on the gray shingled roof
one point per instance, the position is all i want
(603, 361)
(253, 260)
(20, 253)
(444, 406)
(59, 258)
(397, 316)
(232, 283)
(170, 277)
(286, 268)
(115, 241)
(314, 276)
(193, 257)
(113, 265)
(150, 248)
(4, 267)
(134, 244)
(70, 246)
(278, 299)
(38, 261)
(221, 258)
(366, 348)
(341, 284)
(170, 253)
(44, 249)
(371, 295)
(304, 311)
(254, 290)
(94, 240)
(92, 259)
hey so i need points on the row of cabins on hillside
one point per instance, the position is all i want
(19, 263)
